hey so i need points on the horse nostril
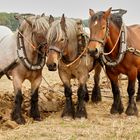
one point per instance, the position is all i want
(52, 67)
(96, 50)
(93, 52)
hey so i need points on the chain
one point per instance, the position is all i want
(134, 51)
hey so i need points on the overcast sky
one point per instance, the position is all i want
(72, 8)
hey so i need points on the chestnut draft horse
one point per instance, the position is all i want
(118, 47)
(22, 56)
(66, 41)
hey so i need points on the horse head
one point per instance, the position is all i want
(98, 31)
(57, 42)
(35, 28)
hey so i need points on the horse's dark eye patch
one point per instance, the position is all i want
(103, 27)
(62, 39)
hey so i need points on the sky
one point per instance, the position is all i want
(73, 8)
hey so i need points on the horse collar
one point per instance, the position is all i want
(21, 52)
(123, 48)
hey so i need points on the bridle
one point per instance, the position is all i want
(102, 41)
(60, 50)
(122, 49)
(40, 44)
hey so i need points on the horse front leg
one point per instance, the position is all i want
(69, 110)
(132, 108)
(117, 106)
(86, 94)
(138, 92)
(34, 110)
(96, 93)
(81, 109)
(16, 114)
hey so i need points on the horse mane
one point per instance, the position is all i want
(55, 32)
(116, 18)
(38, 23)
(97, 16)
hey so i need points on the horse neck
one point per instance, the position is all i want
(31, 53)
(111, 41)
(71, 51)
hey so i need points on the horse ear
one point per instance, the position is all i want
(79, 21)
(63, 22)
(28, 21)
(91, 12)
(43, 15)
(51, 19)
(17, 17)
(108, 12)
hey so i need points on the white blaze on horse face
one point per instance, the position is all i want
(95, 23)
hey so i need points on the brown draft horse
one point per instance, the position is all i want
(23, 57)
(64, 48)
(118, 47)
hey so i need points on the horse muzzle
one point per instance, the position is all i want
(52, 67)
(93, 52)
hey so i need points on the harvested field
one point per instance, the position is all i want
(100, 125)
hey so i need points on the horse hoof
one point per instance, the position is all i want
(96, 95)
(37, 119)
(96, 99)
(69, 110)
(81, 113)
(86, 99)
(132, 110)
(20, 120)
(117, 109)
(68, 115)
(138, 98)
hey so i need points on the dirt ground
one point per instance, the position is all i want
(100, 124)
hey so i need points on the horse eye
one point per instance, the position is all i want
(103, 27)
(62, 39)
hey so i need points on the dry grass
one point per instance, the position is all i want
(100, 125)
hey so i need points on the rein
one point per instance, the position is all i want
(61, 51)
(27, 40)
(122, 50)
(74, 61)
(31, 43)
(115, 43)
(83, 52)
(105, 36)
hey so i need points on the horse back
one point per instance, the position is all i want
(4, 31)
(133, 36)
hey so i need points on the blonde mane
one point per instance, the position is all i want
(55, 33)
(39, 24)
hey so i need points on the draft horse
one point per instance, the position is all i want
(118, 48)
(66, 41)
(23, 56)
